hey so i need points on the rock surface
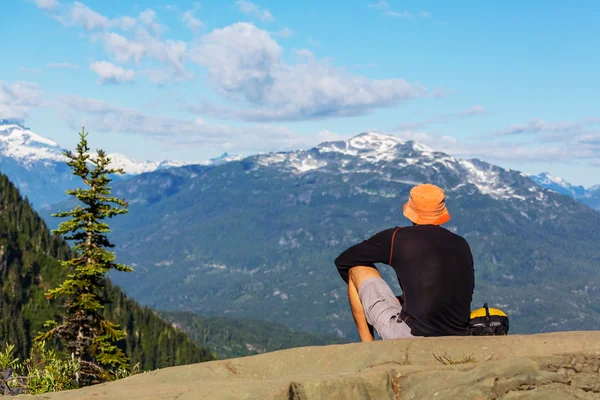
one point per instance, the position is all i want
(544, 366)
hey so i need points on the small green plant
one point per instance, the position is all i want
(126, 372)
(46, 372)
(447, 360)
(7, 365)
(42, 372)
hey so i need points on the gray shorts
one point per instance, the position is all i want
(382, 309)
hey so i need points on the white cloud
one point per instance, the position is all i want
(81, 14)
(245, 64)
(574, 151)
(148, 19)
(305, 54)
(31, 70)
(284, 33)
(193, 23)
(64, 65)
(382, 5)
(365, 66)
(252, 9)
(477, 109)
(537, 125)
(313, 42)
(120, 48)
(97, 115)
(47, 4)
(398, 14)
(386, 8)
(17, 100)
(110, 73)
(125, 23)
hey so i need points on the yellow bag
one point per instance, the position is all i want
(487, 321)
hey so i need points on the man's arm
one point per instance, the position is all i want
(376, 249)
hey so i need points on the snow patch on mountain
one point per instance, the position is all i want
(489, 181)
(298, 162)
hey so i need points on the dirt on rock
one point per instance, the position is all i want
(550, 366)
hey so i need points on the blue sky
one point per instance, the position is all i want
(513, 83)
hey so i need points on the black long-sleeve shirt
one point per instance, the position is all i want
(435, 271)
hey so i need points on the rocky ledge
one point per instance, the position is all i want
(550, 366)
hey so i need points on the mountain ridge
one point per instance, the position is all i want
(589, 196)
(261, 233)
(37, 165)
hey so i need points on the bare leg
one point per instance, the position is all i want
(357, 276)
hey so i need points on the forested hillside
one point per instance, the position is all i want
(230, 337)
(29, 267)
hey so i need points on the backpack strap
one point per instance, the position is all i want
(392, 246)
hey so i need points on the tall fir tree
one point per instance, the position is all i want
(83, 329)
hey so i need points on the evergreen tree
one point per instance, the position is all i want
(84, 330)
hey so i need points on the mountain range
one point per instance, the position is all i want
(589, 196)
(238, 236)
(256, 238)
(37, 165)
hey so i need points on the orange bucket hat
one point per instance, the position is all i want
(426, 205)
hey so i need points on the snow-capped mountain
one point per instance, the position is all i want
(37, 165)
(391, 158)
(20, 143)
(28, 148)
(589, 197)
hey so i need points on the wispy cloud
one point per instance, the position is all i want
(245, 64)
(255, 10)
(537, 126)
(365, 66)
(314, 42)
(31, 70)
(139, 37)
(476, 110)
(398, 14)
(18, 99)
(577, 150)
(47, 4)
(193, 23)
(98, 115)
(64, 65)
(149, 20)
(111, 73)
(284, 33)
(381, 5)
(80, 14)
(387, 11)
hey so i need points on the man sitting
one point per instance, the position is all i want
(434, 268)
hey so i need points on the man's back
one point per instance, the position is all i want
(435, 270)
